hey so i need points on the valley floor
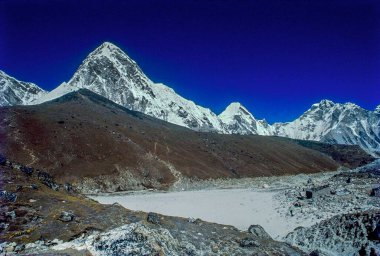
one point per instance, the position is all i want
(327, 213)
(279, 204)
(237, 207)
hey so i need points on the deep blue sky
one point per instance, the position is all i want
(275, 57)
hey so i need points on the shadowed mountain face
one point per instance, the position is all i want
(92, 142)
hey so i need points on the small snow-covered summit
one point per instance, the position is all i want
(325, 104)
(235, 108)
(15, 92)
(239, 120)
(110, 72)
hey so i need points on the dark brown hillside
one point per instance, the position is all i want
(346, 155)
(85, 139)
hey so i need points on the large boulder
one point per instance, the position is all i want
(249, 242)
(8, 196)
(66, 216)
(46, 179)
(259, 231)
(153, 218)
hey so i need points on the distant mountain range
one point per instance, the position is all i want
(111, 73)
(15, 92)
(97, 145)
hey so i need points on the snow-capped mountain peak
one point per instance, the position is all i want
(110, 46)
(110, 72)
(332, 122)
(110, 51)
(15, 92)
(324, 104)
(239, 120)
(234, 109)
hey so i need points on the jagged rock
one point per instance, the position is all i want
(33, 186)
(362, 251)
(10, 248)
(8, 196)
(248, 242)
(46, 179)
(11, 215)
(153, 218)
(191, 220)
(259, 231)
(66, 216)
(309, 194)
(3, 160)
(52, 242)
(314, 253)
(68, 187)
(375, 234)
(342, 191)
(375, 192)
(19, 247)
(26, 170)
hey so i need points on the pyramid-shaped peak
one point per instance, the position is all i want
(108, 50)
(235, 108)
(109, 45)
(235, 105)
(327, 103)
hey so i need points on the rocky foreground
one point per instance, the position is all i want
(41, 217)
(345, 209)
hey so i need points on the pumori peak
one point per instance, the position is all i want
(110, 72)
